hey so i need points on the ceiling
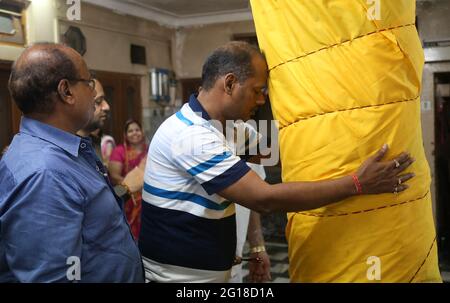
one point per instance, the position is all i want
(193, 7)
(181, 13)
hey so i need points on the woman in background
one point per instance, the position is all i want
(123, 159)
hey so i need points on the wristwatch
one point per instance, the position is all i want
(122, 192)
(257, 249)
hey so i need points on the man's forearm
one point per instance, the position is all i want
(299, 196)
(254, 193)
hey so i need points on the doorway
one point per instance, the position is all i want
(189, 87)
(442, 165)
(123, 93)
(9, 113)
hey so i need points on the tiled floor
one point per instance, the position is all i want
(279, 262)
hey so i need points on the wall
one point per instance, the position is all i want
(433, 21)
(108, 38)
(192, 45)
(109, 35)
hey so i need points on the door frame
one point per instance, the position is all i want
(120, 116)
(441, 176)
(15, 113)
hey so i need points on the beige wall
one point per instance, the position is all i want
(109, 35)
(433, 20)
(192, 45)
(108, 39)
(9, 52)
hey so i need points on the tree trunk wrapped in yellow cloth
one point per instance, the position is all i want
(345, 78)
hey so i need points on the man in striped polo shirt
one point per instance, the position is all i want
(188, 224)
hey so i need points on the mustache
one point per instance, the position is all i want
(105, 114)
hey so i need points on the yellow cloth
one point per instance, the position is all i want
(342, 85)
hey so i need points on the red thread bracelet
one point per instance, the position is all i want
(357, 184)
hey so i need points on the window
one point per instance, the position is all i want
(11, 22)
(6, 24)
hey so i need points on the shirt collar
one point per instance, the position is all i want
(196, 107)
(66, 141)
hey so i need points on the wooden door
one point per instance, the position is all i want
(189, 87)
(123, 93)
(9, 113)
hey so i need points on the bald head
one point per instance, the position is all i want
(36, 73)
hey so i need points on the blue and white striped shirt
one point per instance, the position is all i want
(188, 231)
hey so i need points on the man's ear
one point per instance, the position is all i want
(65, 92)
(229, 82)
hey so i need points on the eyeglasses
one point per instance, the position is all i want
(90, 82)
